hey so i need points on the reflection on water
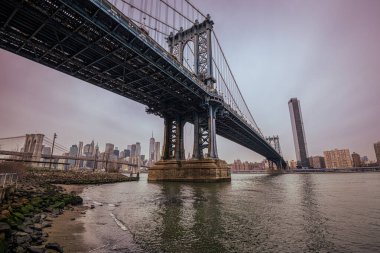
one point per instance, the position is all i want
(253, 213)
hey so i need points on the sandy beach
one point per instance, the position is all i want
(68, 228)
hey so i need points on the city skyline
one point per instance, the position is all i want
(332, 75)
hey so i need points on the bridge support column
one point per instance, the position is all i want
(275, 167)
(212, 148)
(174, 167)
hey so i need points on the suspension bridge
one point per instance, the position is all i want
(38, 149)
(164, 54)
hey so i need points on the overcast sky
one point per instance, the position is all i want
(326, 53)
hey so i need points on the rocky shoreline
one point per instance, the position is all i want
(27, 212)
(77, 177)
(36, 202)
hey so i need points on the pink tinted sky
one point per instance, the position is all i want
(325, 53)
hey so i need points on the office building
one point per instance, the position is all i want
(116, 152)
(138, 149)
(377, 152)
(46, 150)
(109, 148)
(157, 153)
(127, 152)
(133, 150)
(317, 162)
(298, 132)
(356, 160)
(338, 158)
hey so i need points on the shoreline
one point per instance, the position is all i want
(68, 229)
(41, 215)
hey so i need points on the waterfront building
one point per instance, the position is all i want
(157, 154)
(317, 162)
(298, 132)
(338, 158)
(293, 164)
(377, 151)
(239, 166)
(356, 160)
(151, 148)
(365, 160)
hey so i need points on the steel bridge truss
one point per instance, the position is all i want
(94, 42)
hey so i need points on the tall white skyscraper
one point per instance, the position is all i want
(298, 132)
(151, 148)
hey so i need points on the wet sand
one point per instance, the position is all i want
(68, 228)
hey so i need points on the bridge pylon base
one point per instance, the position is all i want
(202, 170)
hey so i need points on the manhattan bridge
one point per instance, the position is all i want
(164, 54)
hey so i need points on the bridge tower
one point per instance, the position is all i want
(204, 166)
(33, 146)
(275, 166)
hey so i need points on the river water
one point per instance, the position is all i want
(253, 213)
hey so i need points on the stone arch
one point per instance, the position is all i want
(27, 148)
(33, 146)
(188, 53)
(200, 35)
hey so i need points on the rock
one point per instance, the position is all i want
(54, 246)
(36, 218)
(72, 218)
(23, 238)
(6, 213)
(19, 216)
(76, 200)
(36, 249)
(5, 230)
(19, 249)
(43, 216)
(83, 212)
(45, 224)
(25, 229)
(37, 226)
(92, 206)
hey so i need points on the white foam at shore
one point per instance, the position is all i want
(119, 223)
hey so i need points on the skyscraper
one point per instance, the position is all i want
(151, 148)
(157, 155)
(377, 151)
(356, 160)
(298, 131)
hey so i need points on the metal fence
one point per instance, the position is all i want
(8, 184)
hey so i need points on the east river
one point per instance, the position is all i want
(253, 213)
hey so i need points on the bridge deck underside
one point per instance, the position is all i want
(84, 41)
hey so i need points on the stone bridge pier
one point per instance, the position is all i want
(202, 167)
